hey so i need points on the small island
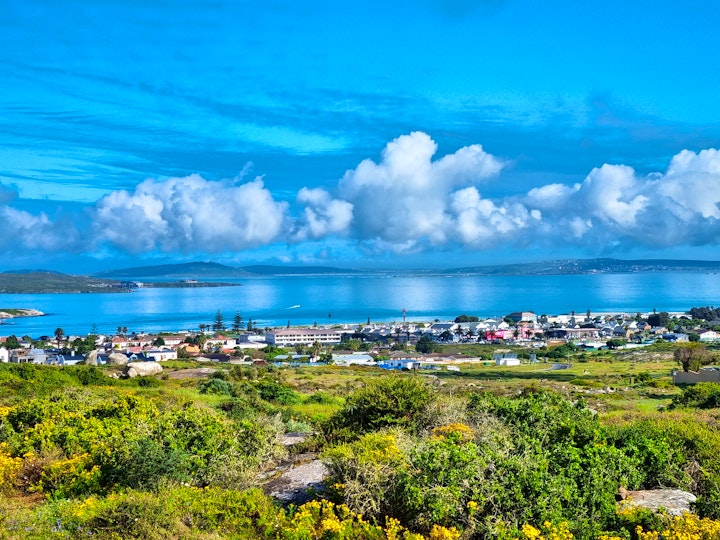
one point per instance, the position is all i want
(11, 313)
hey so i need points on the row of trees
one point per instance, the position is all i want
(238, 324)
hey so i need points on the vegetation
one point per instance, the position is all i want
(487, 452)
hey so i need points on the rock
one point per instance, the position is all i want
(142, 369)
(289, 439)
(292, 485)
(117, 359)
(91, 358)
(673, 501)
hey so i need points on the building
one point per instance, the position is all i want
(29, 356)
(303, 336)
(518, 316)
(508, 359)
(400, 364)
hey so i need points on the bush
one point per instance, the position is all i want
(363, 474)
(393, 401)
(73, 444)
(700, 396)
(278, 393)
(217, 386)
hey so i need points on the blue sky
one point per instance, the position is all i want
(391, 134)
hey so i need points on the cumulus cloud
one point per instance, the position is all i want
(322, 215)
(401, 203)
(22, 230)
(25, 231)
(190, 214)
(408, 201)
(615, 205)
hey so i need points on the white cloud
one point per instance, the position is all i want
(407, 202)
(322, 215)
(612, 194)
(22, 230)
(190, 214)
(402, 202)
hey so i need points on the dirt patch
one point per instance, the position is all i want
(193, 373)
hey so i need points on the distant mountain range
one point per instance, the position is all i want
(215, 270)
(590, 266)
(46, 281)
(197, 270)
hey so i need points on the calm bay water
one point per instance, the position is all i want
(302, 300)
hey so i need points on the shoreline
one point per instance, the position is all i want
(16, 313)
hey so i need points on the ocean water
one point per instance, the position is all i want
(303, 300)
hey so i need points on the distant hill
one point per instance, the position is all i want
(210, 269)
(590, 266)
(183, 270)
(42, 281)
(296, 270)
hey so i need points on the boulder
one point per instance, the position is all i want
(672, 501)
(117, 359)
(91, 358)
(142, 369)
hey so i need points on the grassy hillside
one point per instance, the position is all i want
(484, 452)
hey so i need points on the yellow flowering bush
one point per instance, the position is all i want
(457, 431)
(9, 468)
(69, 477)
(685, 527)
(548, 531)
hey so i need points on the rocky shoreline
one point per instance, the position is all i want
(7, 313)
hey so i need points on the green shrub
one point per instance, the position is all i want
(278, 393)
(393, 401)
(702, 395)
(217, 386)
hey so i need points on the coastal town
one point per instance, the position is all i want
(520, 336)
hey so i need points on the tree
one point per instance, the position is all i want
(219, 324)
(315, 349)
(659, 319)
(159, 341)
(59, 335)
(615, 343)
(692, 357)
(466, 318)
(237, 322)
(426, 345)
(12, 342)
(202, 328)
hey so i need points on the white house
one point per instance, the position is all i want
(709, 335)
(160, 355)
(4, 355)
